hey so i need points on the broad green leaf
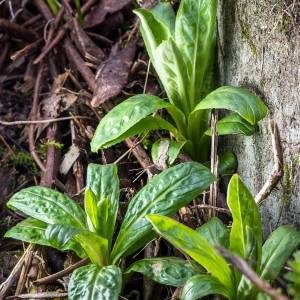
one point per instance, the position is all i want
(173, 150)
(103, 181)
(144, 125)
(203, 285)
(236, 99)
(59, 235)
(194, 28)
(93, 283)
(153, 32)
(208, 79)
(199, 121)
(172, 271)
(33, 231)
(234, 124)
(165, 194)
(173, 74)
(122, 117)
(227, 164)
(164, 13)
(215, 233)
(294, 276)
(277, 249)
(95, 246)
(245, 213)
(49, 206)
(245, 287)
(195, 246)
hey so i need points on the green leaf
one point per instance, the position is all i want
(233, 124)
(93, 283)
(294, 276)
(173, 150)
(59, 235)
(34, 231)
(144, 125)
(95, 246)
(227, 164)
(173, 74)
(194, 28)
(245, 213)
(153, 32)
(165, 194)
(236, 99)
(103, 181)
(49, 206)
(215, 233)
(277, 249)
(194, 245)
(164, 13)
(203, 285)
(246, 288)
(122, 117)
(165, 270)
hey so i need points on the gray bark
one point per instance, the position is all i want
(264, 59)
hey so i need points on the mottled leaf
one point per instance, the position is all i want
(49, 206)
(203, 285)
(93, 283)
(165, 194)
(215, 233)
(195, 246)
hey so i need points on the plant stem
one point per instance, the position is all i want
(53, 6)
(78, 7)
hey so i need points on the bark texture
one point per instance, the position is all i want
(260, 52)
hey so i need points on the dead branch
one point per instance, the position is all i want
(242, 266)
(65, 272)
(18, 31)
(204, 206)
(278, 170)
(50, 295)
(214, 187)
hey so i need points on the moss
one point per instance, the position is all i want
(246, 35)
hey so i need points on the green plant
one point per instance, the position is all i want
(294, 276)
(182, 53)
(58, 221)
(245, 239)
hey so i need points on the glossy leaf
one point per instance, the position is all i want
(93, 283)
(236, 99)
(165, 270)
(234, 124)
(173, 150)
(164, 13)
(49, 206)
(59, 235)
(203, 285)
(227, 164)
(245, 213)
(195, 246)
(144, 125)
(277, 249)
(103, 181)
(95, 246)
(34, 231)
(173, 74)
(164, 195)
(194, 30)
(153, 32)
(215, 233)
(246, 288)
(122, 117)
